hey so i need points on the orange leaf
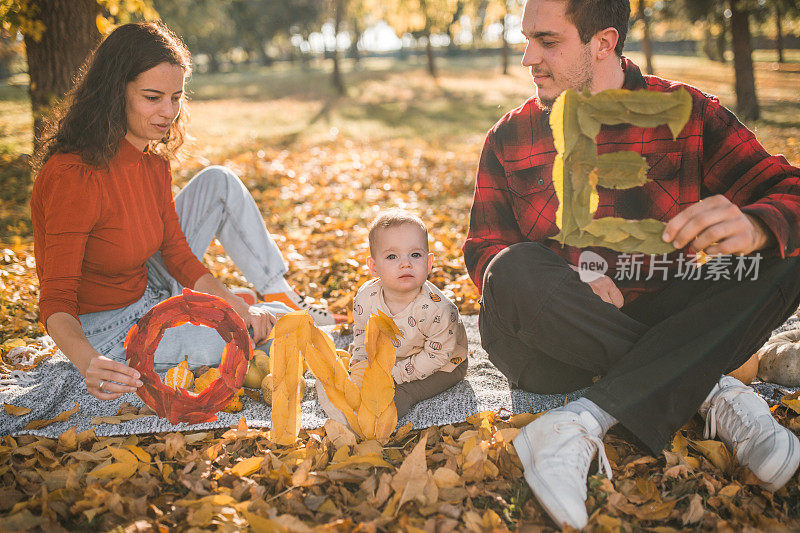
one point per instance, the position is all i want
(61, 417)
(15, 410)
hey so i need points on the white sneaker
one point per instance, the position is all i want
(742, 419)
(556, 450)
(322, 317)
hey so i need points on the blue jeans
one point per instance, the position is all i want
(215, 203)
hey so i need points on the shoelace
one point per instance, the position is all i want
(595, 445)
(301, 303)
(314, 310)
(710, 430)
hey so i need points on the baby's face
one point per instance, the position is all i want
(400, 258)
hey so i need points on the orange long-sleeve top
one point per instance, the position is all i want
(94, 229)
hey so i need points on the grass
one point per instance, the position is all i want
(292, 107)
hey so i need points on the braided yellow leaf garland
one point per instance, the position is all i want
(369, 410)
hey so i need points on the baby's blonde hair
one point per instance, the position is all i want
(391, 218)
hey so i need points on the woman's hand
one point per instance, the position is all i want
(107, 379)
(261, 321)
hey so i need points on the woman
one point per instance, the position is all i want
(110, 241)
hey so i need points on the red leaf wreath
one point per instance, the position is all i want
(179, 405)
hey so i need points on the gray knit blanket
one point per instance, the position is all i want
(56, 386)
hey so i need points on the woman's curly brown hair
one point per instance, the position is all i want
(91, 120)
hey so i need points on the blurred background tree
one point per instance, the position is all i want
(49, 39)
(58, 36)
(422, 19)
(206, 26)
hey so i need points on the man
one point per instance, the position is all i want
(651, 352)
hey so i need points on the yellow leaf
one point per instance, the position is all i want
(360, 460)
(212, 499)
(69, 439)
(114, 470)
(715, 451)
(104, 26)
(61, 417)
(794, 404)
(16, 411)
(247, 466)
(140, 454)
(10, 344)
(259, 524)
(730, 491)
(523, 419)
(122, 456)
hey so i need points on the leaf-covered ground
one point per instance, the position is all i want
(319, 167)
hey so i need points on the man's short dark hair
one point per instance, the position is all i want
(592, 16)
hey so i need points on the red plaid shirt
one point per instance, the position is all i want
(714, 154)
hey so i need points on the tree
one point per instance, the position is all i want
(256, 23)
(643, 14)
(10, 50)
(453, 24)
(478, 17)
(781, 9)
(711, 13)
(491, 11)
(421, 19)
(338, 7)
(204, 25)
(59, 34)
(746, 99)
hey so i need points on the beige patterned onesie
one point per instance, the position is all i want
(434, 338)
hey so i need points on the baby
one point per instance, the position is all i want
(432, 353)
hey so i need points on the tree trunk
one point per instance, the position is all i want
(746, 100)
(263, 56)
(354, 51)
(70, 34)
(647, 45)
(338, 82)
(504, 51)
(708, 39)
(722, 42)
(451, 46)
(429, 54)
(213, 62)
(480, 24)
(779, 35)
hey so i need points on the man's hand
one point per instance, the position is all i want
(717, 226)
(605, 288)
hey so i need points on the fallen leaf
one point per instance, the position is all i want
(715, 451)
(411, 477)
(114, 470)
(61, 417)
(247, 466)
(16, 411)
(339, 434)
(694, 513)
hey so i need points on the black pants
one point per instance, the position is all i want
(658, 357)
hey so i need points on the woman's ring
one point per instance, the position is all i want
(100, 387)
